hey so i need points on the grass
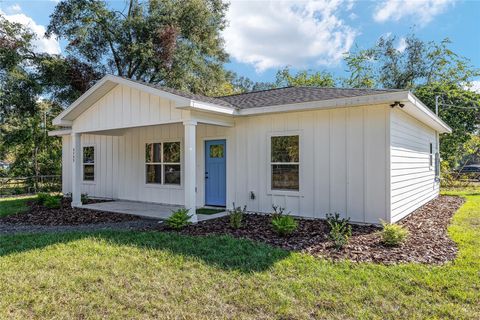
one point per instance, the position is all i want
(209, 211)
(9, 206)
(152, 275)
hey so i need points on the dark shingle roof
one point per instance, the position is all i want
(274, 97)
(188, 95)
(290, 95)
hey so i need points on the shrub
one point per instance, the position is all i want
(236, 216)
(53, 202)
(179, 219)
(277, 211)
(42, 197)
(284, 225)
(340, 230)
(84, 198)
(393, 234)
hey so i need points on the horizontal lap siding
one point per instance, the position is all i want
(342, 162)
(412, 179)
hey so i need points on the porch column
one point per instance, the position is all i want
(76, 169)
(190, 167)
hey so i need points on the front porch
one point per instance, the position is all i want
(144, 209)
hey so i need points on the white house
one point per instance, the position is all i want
(368, 154)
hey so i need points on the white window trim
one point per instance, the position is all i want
(94, 181)
(181, 163)
(275, 192)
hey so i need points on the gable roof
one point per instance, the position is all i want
(290, 95)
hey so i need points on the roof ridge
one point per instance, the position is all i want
(306, 87)
(263, 90)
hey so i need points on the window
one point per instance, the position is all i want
(431, 155)
(285, 162)
(88, 164)
(162, 161)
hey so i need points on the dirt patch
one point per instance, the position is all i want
(65, 216)
(428, 241)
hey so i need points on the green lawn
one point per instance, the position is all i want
(10, 206)
(159, 275)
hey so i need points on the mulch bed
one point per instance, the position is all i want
(65, 216)
(427, 242)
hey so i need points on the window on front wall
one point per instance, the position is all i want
(88, 161)
(285, 163)
(162, 161)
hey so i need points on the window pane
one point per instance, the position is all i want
(171, 152)
(88, 172)
(172, 174)
(285, 177)
(154, 173)
(88, 155)
(153, 152)
(285, 149)
(216, 151)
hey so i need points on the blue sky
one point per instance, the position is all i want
(264, 36)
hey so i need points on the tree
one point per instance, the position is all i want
(429, 70)
(303, 78)
(172, 43)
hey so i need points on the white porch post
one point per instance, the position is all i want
(76, 169)
(190, 167)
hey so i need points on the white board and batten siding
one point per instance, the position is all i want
(412, 178)
(125, 107)
(342, 162)
(366, 163)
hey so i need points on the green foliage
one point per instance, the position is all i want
(179, 219)
(340, 230)
(42, 197)
(303, 78)
(236, 216)
(284, 225)
(53, 202)
(393, 234)
(277, 211)
(84, 198)
(178, 45)
(429, 69)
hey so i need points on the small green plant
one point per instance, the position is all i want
(284, 225)
(84, 198)
(277, 211)
(393, 234)
(53, 202)
(340, 230)
(179, 219)
(42, 197)
(236, 216)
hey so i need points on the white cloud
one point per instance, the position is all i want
(402, 45)
(423, 11)
(475, 86)
(14, 8)
(41, 44)
(269, 34)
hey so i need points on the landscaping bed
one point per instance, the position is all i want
(64, 216)
(427, 242)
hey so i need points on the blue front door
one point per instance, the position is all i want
(215, 172)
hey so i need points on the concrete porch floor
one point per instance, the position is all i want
(144, 209)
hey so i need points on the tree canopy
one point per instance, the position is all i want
(173, 43)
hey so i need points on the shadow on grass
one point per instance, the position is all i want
(222, 252)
